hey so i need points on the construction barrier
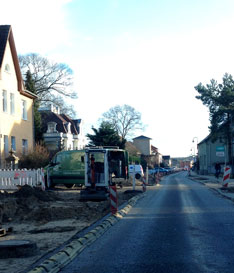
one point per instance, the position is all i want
(226, 176)
(143, 185)
(113, 199)
(10, 179)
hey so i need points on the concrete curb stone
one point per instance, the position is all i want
(218, 190)
(70, 251)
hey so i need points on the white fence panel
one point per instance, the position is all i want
(10, 179)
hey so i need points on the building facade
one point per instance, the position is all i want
(16, 107)
(143, 144)
(211, 152)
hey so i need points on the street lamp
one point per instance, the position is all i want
(192, 150)
(196, 145)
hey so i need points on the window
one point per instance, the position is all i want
(24, 146)
(51, 127)
(6, 149)
(24, 110)
(13, 143)
(12, 103)
(4, 101)
(7, 68)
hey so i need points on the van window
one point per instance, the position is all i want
(58, 159)
(76, 161)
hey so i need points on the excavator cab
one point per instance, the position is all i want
(103, 167)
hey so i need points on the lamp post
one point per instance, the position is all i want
(193, 154)
(195, 150)
(196, 145)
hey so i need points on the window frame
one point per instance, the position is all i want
(24, 147)
(24, 110)
(13, 143)
(4, 101)
(12, 103)
(6, 145)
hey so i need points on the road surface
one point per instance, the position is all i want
(180, 226)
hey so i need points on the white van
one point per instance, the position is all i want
(138, 171)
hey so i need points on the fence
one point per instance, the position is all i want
(10, 179)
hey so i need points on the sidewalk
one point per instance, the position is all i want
(216, 184)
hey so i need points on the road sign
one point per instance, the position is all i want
(220, 151)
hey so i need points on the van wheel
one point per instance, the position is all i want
(138, 176)
(68, 185)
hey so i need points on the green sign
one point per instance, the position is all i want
(220, 151)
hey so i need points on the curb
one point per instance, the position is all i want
(214, 189)
(74, 248)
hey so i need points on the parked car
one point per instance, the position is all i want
(170, 169)
(137, 170)
(66, 167)
(158, 169)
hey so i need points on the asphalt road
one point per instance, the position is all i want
(179, 227)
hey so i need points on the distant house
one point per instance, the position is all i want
(155, 154)
(16, 114)
(143, 144)
(148, 152)
(211, 152)
(60, 131)
(166, 160)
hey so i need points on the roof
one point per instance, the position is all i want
(142, 137)
(154, 149)
(61, 120)
(7, 35)
(129, 146)
(166, 157)
(4, 34)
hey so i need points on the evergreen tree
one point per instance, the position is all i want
(106, 135)
(219, 98)
(30, 86)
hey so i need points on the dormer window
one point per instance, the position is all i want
(7, 68)
(51, 127)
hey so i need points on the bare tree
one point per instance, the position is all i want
(53, 81)
(125, 119)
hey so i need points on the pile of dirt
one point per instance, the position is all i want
(27, 191)
(25, 203)
(31, 204)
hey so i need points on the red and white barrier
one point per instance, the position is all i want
(143, 185)
(113, 199)
(10, 179)
(226, 176)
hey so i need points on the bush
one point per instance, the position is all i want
(34, 159)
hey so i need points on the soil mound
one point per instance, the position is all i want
(28, 192)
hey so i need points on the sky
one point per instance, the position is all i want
(149, 54)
